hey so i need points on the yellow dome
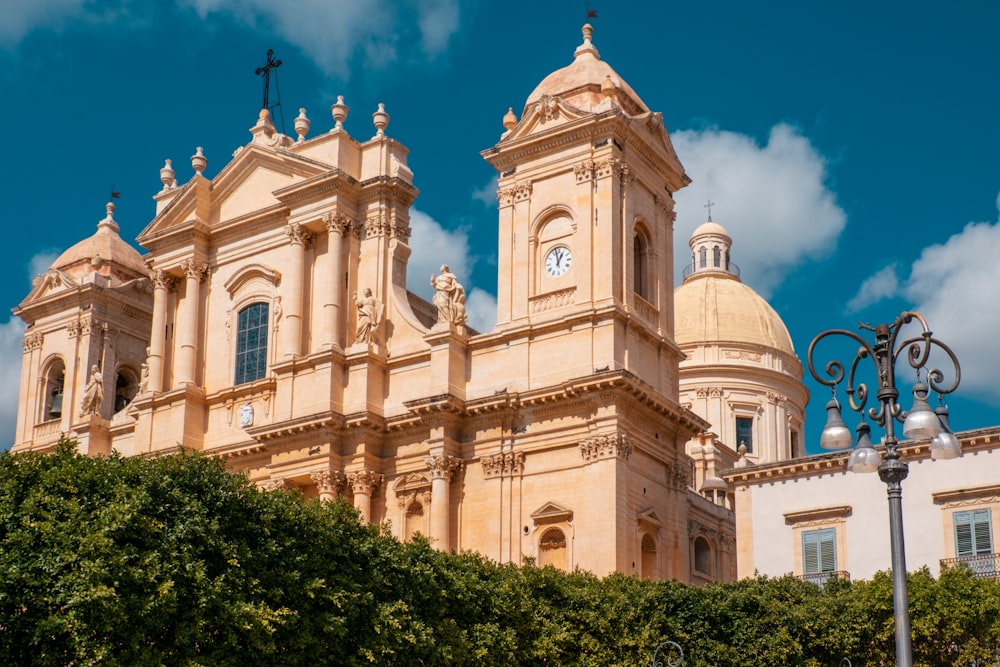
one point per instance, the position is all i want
(580, 82)
(104, 252)
(718, 308)
(709, 228)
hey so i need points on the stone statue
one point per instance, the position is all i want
(370, 312)
(93, 395)
(449, 297)
(144, 374)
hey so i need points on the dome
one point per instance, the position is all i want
(710, 229)
(580, 83)
(715, 308)
(104, 252)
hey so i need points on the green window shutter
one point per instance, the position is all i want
(973, 533)
(819, 551)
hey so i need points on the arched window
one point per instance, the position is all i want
(552, 549)
(717, 256)
(52, 391)
(703, 257)
(640, 264)
(702, 556)
(126, 386)
(414, 520)
(648, 562)
(251, 343)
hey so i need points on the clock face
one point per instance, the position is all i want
(558, 260)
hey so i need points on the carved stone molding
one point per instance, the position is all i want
(33, 341)
(298, 235)
(329, 481)
(442, 466)
(520, 191)
(606, 446)
(775, 398)
(547, 107)
(364, 481)
(552, 300)
(741, 354)
(407, 498)
(280, 484)
(337, 222)
(678, 476)
(505, 464)
(584, 171)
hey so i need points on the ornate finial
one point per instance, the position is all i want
(587, 46)
(709, 206)
(109, 218)
(199, 161)
(381, 120)
(302, 125)
(168, 176)
(607, 86)
(510, 119)
(339, 111)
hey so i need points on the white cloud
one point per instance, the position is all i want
(332, 31)
(11, 350)
(481, 307)
(881, 285)
(488, 193)
(773, 200)
(954, 286)
(41, 262)
(19, 17)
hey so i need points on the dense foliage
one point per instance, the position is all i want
(173, 561)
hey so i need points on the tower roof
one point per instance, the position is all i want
(585, 82)
(104, 251)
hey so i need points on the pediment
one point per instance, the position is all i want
(552, 512)
(545, 114)
(50, 282)
(649, 519)
(244, 186)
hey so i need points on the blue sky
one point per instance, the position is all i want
(851, 148)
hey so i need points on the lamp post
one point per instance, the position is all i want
(920, 422)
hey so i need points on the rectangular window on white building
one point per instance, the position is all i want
(973, 534)
(819, 551)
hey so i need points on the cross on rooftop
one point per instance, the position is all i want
(709, 206)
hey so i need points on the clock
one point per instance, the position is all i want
(558, 260)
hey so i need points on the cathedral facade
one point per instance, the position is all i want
(270, 324)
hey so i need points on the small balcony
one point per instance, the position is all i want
(820, 578)
(986, 566)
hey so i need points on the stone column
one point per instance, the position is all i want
(187, 324)
(157, 337)
(363, 483)
(442, 466)
(298, 238)
(336, 226)
(328, 483)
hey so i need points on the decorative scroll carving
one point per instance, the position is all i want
(442, 466)
(279, 484)
(414, 486)
(161, 279)
(329, 481)
(298, 235)
(364, 481)
(552, 300)
(520, 191)
(548, 107)
(605, 446)
(337, 222)
(584, 171)
(505, 464)
(193, 269)
(775, 398)
(33, 341)
(391, 225)
(741, 354)
(678, 476)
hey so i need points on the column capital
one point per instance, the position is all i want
(161, 279)
(328, 481)
(337, 223)
(442, 466)
(606, 446)
(298, 235)
(194, 270)
(364, 481)
(504, 464)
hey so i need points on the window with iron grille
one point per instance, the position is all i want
(251, 343)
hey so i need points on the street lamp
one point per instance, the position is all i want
(920, 422)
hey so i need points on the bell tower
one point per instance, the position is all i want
(586, 209)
